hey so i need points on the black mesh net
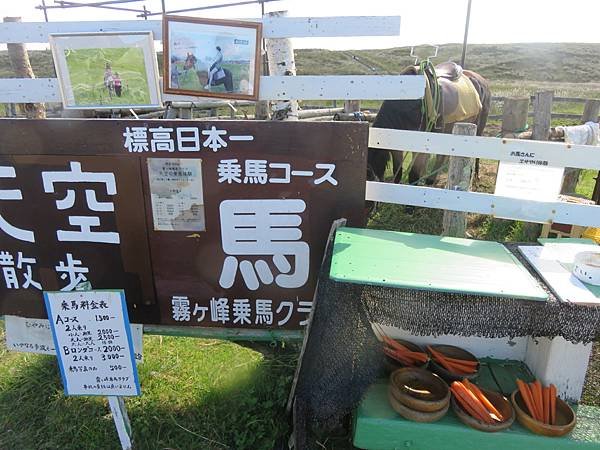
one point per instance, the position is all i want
(342, 356)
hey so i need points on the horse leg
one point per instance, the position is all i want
(419, 165)
(397, 159)
(228, 81)
(376, 164)
(440, 161)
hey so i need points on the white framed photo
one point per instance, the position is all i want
(106, 70)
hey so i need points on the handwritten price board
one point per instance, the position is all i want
(92, 336)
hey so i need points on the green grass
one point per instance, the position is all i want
(86, 71)
(197, 393)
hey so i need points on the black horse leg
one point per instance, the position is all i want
(377, 162)
(419, 166)
(397, 158)
(440, 162)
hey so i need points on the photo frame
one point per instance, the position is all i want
(211, 58)
(106, 70)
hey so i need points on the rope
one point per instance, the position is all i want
(430, 112)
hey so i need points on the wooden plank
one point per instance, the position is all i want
(557, 154)
(436, 263)
(477, 202)
(343, 87)
(28, 90)
(37, 32)
(374, 87)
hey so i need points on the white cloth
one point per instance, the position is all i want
(587, 134)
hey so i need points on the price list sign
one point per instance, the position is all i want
(92, 337)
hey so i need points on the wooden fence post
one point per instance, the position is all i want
(591, 110)
(542, 115)
(514, 115)
(261, 107)
(460, 177)
(351, 106)
(280, 53)
(19, 60)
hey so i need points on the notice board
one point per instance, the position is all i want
(210, 224)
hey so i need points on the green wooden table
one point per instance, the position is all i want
(418, 261)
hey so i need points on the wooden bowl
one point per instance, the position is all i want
(502, 405)
(391, 364)
(406, 383)
(565, 418)
(417, 416)
(452, 352)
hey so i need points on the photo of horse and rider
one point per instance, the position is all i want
(210, 59)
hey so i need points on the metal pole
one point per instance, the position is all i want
(45, 10)
(164, 8)
(464, 49)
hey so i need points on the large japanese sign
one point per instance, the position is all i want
(211, 224)
(93, 342)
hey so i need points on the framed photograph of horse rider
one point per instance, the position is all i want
(211, 58)
(106, 70)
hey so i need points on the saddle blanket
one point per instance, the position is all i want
(460, 99)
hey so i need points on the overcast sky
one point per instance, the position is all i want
(431, 21)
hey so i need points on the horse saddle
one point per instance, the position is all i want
(449, 70)
(460, 99)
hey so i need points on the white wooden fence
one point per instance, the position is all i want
(354, 87)
(271, 87)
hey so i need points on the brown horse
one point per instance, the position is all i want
(408, 115)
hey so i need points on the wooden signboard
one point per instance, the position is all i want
(209, 224)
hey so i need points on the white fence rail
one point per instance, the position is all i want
(555, 154)
(271, 87)
(273, 27)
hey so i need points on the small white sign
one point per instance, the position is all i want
(529, 182)
(92, 335)
(35, 336)
(176, 194)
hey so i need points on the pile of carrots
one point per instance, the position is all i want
(402, 354)
(461, 367)
(474, 402)
(539, 400)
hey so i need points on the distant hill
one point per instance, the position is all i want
(574, 63)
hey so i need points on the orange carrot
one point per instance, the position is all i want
(452, 366)
(415, 356)
(465, 404)
(537, 395)
(526, 396)
(403, 349)
(546, 403)
(483, 399)
(398, 357)
(461, 391)
(552, 404)
(462, 362)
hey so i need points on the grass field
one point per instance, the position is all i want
(86, 71)
(197, 394)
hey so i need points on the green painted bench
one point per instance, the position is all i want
(378, 427)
